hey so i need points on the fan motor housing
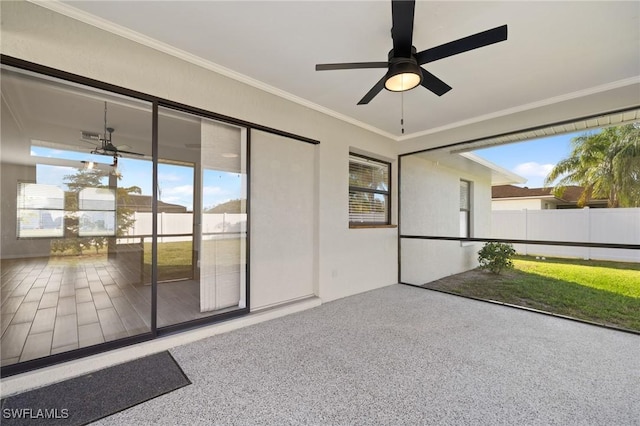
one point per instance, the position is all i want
(414, 52)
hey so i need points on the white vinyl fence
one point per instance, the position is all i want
(616, 226)
(182, 223)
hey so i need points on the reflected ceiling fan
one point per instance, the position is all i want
(404, 71)
(104, 144)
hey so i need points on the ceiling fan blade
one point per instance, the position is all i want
(465, 44)
(402, 12)
(351, 66)
(433, 83)
(129, 152)
(373, 92)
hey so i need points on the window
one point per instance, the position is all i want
(40, 211)
(369, 196)
(465, 209)
(97, 214)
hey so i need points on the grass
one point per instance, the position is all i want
(597, 291)
(616, 277)
(175, 259)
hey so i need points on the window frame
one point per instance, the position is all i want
(385, 193)
(469, 208)
(21, 201)
(91, 211)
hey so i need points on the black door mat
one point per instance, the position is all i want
(96, 395)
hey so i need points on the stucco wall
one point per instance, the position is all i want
(430, 207)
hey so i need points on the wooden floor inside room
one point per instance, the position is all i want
(53, 305)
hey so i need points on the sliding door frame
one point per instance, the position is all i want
(155, 103)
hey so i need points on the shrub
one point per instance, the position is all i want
(496, 256)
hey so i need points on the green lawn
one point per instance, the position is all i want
(175, 259)
(597, 291)
(615, 277)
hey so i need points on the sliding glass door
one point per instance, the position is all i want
(214, 196)
(106, 240)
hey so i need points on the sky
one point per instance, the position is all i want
(532, 159)
(175, 182)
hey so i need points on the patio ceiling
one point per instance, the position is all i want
(555, 52)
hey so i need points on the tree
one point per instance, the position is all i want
(85, 178)
(606, 164)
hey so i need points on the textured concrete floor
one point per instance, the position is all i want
(405, 356)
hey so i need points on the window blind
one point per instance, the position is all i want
(464, 195)
(465, 209)
(368, 191)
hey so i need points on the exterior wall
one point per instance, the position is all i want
(344, 261)
(430, 207)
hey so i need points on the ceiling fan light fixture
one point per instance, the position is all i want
(404, 74)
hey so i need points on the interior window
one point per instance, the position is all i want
(40, 211)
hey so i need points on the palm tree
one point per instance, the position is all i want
(606, 164)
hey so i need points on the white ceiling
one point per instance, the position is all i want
(555, 50)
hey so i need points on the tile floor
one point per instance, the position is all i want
(51, 306)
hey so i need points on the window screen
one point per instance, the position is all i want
(368, 191)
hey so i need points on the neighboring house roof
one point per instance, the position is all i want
(571, 194)
(142, 203)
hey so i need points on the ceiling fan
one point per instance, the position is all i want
(104, 144)
(403, 65)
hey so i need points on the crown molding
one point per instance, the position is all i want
(526, 107)
(103, 24)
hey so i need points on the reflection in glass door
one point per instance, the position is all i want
(214, 197)
(175, 222)
(76, 180)
(222, 243)
(78, 202)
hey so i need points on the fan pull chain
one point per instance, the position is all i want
(402, 112)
